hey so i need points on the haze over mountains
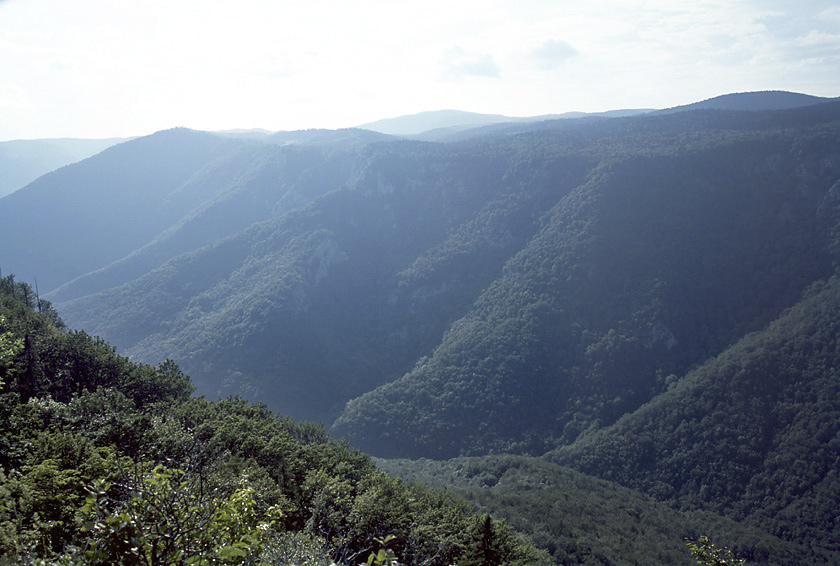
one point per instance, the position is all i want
(23, 161)
(436, 125)
(647, 299)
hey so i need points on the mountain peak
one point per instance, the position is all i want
(753, 101)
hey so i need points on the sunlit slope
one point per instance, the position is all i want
(671, 250)
(327, 301)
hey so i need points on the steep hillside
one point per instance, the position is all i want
(669, 252)
(105, 461)
(84, 216)
(319, 305)
(754, 433)
(569, 270)
(253, 184)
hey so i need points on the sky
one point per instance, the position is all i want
(100, 68)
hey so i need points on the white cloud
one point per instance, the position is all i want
(831, 14)
(552, 53)
(13, 97)
(459, 64)
(100, 68)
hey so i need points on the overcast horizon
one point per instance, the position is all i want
(99, 69)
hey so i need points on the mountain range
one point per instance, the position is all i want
(23, 161)
(647, 299)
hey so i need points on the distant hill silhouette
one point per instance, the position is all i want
(321, 137)
(23, 161)
(753, 101)
(440, 124)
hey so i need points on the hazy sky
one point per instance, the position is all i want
(101, 68)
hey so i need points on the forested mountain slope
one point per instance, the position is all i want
(333, 298)
(121, 213)
(647, 299)
(753, 433)
(251, 184)
(105, 461)
(745, 448)
(581, 519)
(570, 270)
(670, 251)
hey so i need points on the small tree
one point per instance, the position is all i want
(385, 556)
(488, 544)
(708, 554)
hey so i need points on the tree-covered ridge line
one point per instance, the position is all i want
(105, 461)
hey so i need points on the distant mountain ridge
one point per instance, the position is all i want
(430, 120)
(435, 124)
(23, 161)
(753, 101)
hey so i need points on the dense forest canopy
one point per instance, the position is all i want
(647, 300)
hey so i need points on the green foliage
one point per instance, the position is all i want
(606, 298)
(295, 547)
(112, 462)
(568, 269)
(385, 556)
(168, 517)
(707, 554)
(10, 347)
(579, 519)
(485, 547)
